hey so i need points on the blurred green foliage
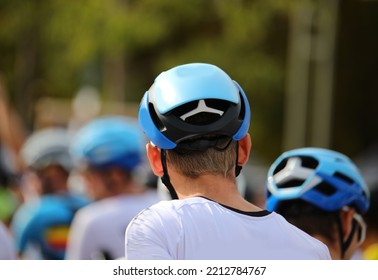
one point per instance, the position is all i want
(51, 48)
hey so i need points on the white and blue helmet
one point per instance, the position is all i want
(167, 108)
(45, 147)
(322, 177)
(109, 141)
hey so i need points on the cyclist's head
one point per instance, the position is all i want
(327, 179)
(313, 187)
(109, 141)
(46, 152)
(195, 110)
(193, 101)
(47, 147)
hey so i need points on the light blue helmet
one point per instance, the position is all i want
(167, 108)
(109, 141)
(322, 177)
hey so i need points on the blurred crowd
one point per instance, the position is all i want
(69, 191)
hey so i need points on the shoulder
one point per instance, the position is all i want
(90, 213)
(162, 214)
(98, 213)
(168, 214)
(159, 209)
(25, 214)
(70, 203)
(28, 208)
(171, 208)
(295, 235)
(78, 200)
(153, 232)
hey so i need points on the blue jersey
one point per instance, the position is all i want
(43, 224)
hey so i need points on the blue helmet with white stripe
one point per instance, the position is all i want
(170, 109)
(322, 177)
(109, 141)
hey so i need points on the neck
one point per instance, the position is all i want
(334, 248)
(214, 187)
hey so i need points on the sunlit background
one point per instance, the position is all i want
(308, 67)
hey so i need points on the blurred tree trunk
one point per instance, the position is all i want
(115, 77)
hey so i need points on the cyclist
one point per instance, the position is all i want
(322, 192)
(108, 152)
(197, 118)
(41, 224)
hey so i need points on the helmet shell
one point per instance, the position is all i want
(322, 177)
(109, 141)
(164, 122)
(47, 146)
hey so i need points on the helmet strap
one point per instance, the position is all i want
(238, 168)
(344, 245)
(165, 178)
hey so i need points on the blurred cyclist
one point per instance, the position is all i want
(41, 224)
(108, 151)
(323, 193)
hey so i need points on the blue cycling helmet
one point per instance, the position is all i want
(109, 141)
(167, 109)
(324, 178)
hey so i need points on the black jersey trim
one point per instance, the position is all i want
(261, 213)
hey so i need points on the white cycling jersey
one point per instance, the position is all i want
(7, 245)
(198, 228)
(98, 229)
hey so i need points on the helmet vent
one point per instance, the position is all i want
(155, 118)
(202, 118)
(325, 188)
(280, 166)
(293, 171)
(343, 177)
(242, 109)
(291, 183)
(309, 162)
(201, 112)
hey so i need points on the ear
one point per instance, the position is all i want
(346, 220)
(245, 145)
(153, 155)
